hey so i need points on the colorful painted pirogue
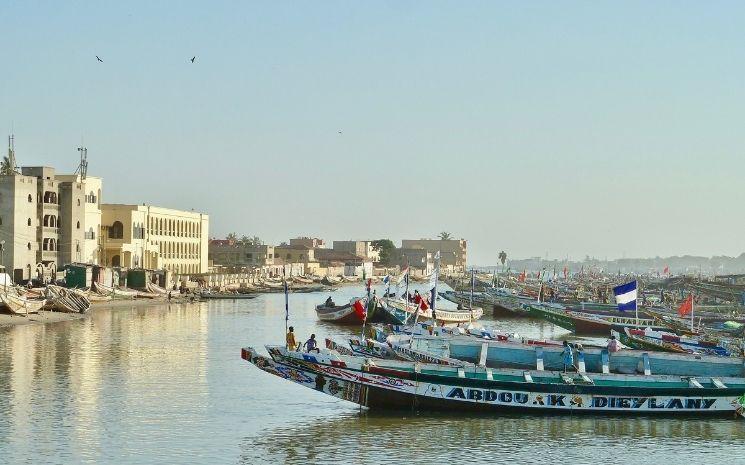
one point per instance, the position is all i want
(647, 339)
(589, 324)
(389, 384)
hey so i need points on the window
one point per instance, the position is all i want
(29, 221)
(116, 231)
(29, 246)
(78, 202)
(249, 255)
(30, 200)
(78, 224)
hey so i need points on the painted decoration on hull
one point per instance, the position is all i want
(585, 401)
(352, 385)
(345, 390)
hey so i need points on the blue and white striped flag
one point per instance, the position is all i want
(626, 296)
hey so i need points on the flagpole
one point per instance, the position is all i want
(692, 311)
(470, 298)
(287, 301)
(636, 306)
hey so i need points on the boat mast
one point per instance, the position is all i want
(470, 298)
(692, 311)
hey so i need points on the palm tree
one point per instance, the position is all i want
(231, 236)
(502, 257)
(445, 236)
(5, 168)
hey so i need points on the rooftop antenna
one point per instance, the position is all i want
(83, 166)
(11, 154)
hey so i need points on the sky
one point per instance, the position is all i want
(608, 129)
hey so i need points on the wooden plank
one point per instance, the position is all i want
(718, 383)
(484, 350)
(580, 362)
(539, 358)
(693, 382)
(528, 378)
(605, 360)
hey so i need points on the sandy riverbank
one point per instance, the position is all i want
(46, 317)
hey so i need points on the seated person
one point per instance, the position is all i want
(312, 345)
(330, 302)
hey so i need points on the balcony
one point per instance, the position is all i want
(48, 255)
(48, 230)
(49, 206)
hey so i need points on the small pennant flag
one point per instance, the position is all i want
(686, 307)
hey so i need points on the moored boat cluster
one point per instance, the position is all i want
(415, 354)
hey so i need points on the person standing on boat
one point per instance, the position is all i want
(311, 344)
(568, 356)
(613, 344)
(290, 338)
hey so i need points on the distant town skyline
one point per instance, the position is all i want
(564, 128)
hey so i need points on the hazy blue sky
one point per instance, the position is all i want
(567, 128)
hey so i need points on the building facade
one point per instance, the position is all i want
(144, 236)
(310, 242)
(359, 248)
(237, 254)
(44, 218)
(452, 251)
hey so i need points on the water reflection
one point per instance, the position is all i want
(419, 438)
(166, 385)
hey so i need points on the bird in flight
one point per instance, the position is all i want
(193, 58)
(99, 59)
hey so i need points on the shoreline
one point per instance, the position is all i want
(49, 317)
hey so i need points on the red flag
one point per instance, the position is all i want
(423, 305)
(666, 270)
(360, 310)
(686, 307)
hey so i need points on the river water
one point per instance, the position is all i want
(166, 384)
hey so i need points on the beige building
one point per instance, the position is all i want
(310, 242)
(452, 251)
(144, 236)
(236, 254)
(359, 248)
(45, 219)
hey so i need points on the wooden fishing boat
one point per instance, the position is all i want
(589, 324)
(226, 296)
(340, 314)
(67, 300)
(155, 289)
(96, 297)
(508, 304)
(647, 339)
(594, 359)
(302, 280)
(392, 384)
(331, 280)
(19, 305)
(401, 312)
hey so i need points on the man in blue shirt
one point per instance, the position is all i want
(568, 356)
(311, 344)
